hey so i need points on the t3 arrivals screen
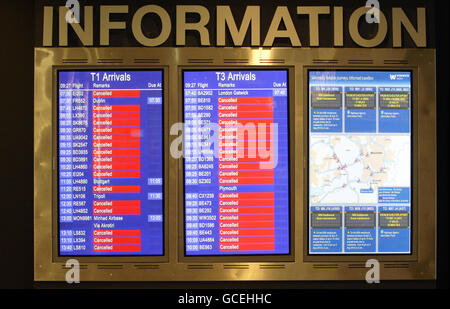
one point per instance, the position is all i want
(236, 162)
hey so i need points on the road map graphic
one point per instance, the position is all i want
(350, 169)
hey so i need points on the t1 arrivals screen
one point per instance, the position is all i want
(110, 152)
(236, 162)
(359, 162)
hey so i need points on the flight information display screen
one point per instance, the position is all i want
(359, 162)
(110, 162)
(236, 162)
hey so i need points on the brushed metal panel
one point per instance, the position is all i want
(173, 266)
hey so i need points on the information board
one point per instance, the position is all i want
(236, 162)
(359, 162)
(110, 154)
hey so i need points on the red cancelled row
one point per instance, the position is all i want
(239, 173)
(246, 240)
(232, 133)
(243, 166)
(116, 130)
(117, 174)
(117, 123)
(227, 123)
(116, 211)
(115, 108)
(241, 140)
(243, 144)
(117, 189)
(247, 247)
(117, 248)
(116, 137)
(117, 93)
(117, 167)
(244, 218)
(246, 210)
(239, 202)
(116, 203)
(245, 115)
(244, 108)
(242, 153)
(230, 100)
(247, 225)
(135, 145)
(116, 152)
(246, 181)
(255, 159)
(105, 159)
(246, 232)
(116, 115)
(247, 195)
(117, 240)
(117, 233)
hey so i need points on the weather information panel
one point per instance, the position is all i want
(359, 162)
(236, 162)
(110, 153)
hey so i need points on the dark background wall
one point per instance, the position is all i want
(18, 36)
(16, 80)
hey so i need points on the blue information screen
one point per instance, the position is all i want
(110, 162)
(236, 162)
(359, 162)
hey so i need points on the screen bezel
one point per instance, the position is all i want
(412, 255)
(57, 257)
(290, 110)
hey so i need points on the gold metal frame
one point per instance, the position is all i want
(173, 266)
